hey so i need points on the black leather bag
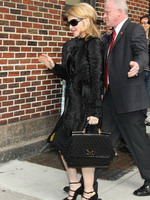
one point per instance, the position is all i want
(90, 150)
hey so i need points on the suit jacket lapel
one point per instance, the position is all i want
(121, 32)
(107, 46)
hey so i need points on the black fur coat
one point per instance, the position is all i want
(82, 67)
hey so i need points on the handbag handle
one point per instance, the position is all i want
(84, 129)
(99, 131)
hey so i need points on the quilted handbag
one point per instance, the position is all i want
(90, 150)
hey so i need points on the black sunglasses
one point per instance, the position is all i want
(74, 22)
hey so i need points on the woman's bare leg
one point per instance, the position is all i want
(73, 178)
(88, 178)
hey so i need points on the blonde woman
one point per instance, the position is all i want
(82, 69)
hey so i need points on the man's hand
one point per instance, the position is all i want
(134, 71)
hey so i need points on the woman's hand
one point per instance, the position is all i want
(46, 60)
(92, 120)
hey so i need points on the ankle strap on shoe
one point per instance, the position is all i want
(85, 198)
(89, 192)
(74, 183)
(71, 190)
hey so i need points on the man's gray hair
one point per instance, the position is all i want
(119, 4)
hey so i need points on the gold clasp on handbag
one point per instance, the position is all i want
(84, 130)
(99, 131)
(89, 152)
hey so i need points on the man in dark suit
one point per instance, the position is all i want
(126, 96)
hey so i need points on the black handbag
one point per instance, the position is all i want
(90, 149)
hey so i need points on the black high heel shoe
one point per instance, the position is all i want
(77, 192)
(94, 197)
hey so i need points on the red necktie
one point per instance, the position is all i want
(106, 66)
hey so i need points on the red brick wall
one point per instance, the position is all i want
(137, 8)
(27, 29)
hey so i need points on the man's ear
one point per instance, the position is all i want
(120, 11)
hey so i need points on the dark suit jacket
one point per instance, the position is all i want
(129, 94)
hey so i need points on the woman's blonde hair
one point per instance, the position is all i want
(85, 11)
